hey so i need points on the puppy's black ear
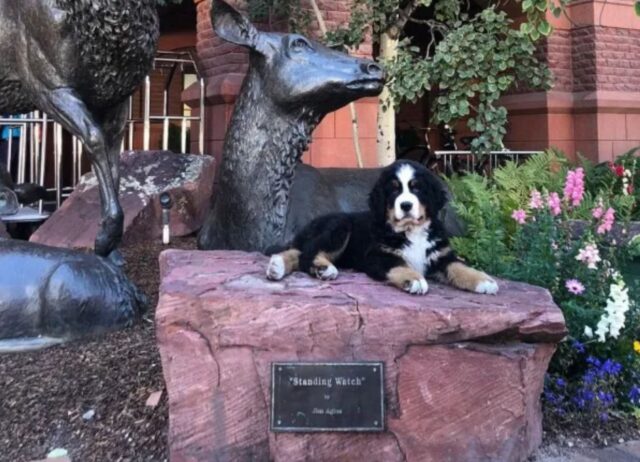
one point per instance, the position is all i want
(437, 196)
(377, 202)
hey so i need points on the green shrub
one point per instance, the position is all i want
(521, 226)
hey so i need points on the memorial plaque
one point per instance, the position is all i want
(330, 397)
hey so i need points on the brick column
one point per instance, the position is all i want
(224, 66)
(594, 106)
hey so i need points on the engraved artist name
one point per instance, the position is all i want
(327, 381)
(330, 411)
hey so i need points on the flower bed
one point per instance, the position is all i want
(521, 225)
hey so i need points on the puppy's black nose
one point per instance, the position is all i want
(406, 206)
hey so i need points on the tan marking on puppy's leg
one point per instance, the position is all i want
(409, 280)
(463, 277)
(291, 260)
(323, 268)
(283, 263)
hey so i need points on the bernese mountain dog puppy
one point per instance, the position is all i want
(399, 240)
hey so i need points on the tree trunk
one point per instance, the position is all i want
(386, 135)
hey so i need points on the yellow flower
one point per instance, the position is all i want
(636, 346)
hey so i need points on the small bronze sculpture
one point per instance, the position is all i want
(50, 295)
(25, 193)
(79, 61)
(291, 85)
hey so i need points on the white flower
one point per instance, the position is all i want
(589, 255)
(613, 319)
(588, 332)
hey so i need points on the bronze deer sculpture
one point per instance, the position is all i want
(265, 194)
(79, 61)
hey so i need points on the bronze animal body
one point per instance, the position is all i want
(292, 83)
(78, 61)
(50, 295)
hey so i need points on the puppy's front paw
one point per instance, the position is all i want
(488, 286)
(326, 273)
(417, 286)
(276, 268)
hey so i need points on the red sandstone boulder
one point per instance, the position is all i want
(145, 175)
(464, 372)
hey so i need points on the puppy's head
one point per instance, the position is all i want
(406, 196)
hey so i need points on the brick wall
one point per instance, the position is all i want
(557, 52)
(594, 106)
(617, 54)
(216, 56)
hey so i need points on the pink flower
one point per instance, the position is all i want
(589, 255)
(607, 221)
(536, 200)
(598, 212)
(574, 187)
(554, 204)
(520, 216)
(574, 286)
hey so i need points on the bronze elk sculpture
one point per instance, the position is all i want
(79, 61)
(264, 192)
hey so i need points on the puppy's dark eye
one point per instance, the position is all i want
(413, 185)
(395, 184)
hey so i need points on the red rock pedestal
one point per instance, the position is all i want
(144, 176)
(464, 372)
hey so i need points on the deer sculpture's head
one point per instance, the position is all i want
(295, 71)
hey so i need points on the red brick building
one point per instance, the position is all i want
(593, 108)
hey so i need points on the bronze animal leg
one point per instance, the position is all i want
(65, 106)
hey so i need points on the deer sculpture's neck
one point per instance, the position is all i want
(261, 149)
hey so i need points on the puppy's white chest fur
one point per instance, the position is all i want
(415, 250)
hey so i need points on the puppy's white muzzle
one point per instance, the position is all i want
(401, 207)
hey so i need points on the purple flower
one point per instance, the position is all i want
(610, 367)
(589, 377)
(578, 346)
(634, 395)
(604, 416)
(593, 361)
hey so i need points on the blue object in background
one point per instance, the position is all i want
(15, 133)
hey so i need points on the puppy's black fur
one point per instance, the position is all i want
(377, 244)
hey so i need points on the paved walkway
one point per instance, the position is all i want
(625, 452)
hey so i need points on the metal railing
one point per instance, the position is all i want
(169, 61)
(42, 163)
(484, 163)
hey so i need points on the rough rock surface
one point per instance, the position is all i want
(464, 372)
(145, 175)
(621, 234)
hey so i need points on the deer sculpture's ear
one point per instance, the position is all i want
(233, 26)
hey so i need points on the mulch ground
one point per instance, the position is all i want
(44, 394)
(583, 433)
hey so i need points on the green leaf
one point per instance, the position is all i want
(638, 8)
(526, 5)
(525, 27)
(544, 28)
